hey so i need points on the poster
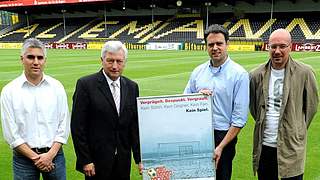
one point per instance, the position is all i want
(176, 137)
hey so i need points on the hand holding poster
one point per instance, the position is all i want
(176, 137)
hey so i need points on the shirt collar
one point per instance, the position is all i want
(216, 70)
(110, 80)
(24, 80)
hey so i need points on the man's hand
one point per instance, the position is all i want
(47, 168)
(35, 158)
(231, 134)
(140, 167)
(206, 92)
(89, 170)
(44, 162)
(217, 155)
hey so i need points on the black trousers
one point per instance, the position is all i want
(224, 169)
(116, 174)
(268, 165)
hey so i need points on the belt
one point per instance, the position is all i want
(41, 150)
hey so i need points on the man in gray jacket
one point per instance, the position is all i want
(283, 101)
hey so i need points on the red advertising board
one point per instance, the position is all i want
(306, 47)
(19, 3)
(66, 45)
(301, 47)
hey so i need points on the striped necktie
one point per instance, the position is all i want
(116, 95)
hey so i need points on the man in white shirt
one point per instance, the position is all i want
(35, 118)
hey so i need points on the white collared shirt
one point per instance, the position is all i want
(229, 84)
(110, 80)
(37, 115)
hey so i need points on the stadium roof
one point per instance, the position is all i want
(109, 5)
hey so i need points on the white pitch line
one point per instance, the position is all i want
(169, 59)
(306, 58)
(161, 77)
(162, 91)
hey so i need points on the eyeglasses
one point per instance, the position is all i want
(118, 61)
(281, 46)
(33, 57)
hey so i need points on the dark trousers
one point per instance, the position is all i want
(268, 165)
(116, 173)
(224, 169)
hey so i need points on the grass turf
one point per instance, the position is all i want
(157, 73)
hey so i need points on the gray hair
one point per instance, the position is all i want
(114, 46)
(33, 43)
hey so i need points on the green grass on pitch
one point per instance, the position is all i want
(158, 73)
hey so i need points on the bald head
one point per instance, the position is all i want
(280, 34)
(280, 47)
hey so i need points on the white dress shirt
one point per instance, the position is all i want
(35, 115)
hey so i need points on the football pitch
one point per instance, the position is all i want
(157, 73)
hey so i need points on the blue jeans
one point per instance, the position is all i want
(24, 168)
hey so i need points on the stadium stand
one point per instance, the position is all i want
(164, 29)
(93, 24)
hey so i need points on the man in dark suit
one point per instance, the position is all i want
(104, 121)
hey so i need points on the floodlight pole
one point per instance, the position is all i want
(124, 5)
(271, 14)
(105, 22)
(64, 22)
(152, 6)
(207, 4)
(26, 12)
(179, 4)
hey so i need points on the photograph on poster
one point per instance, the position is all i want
(176, 137)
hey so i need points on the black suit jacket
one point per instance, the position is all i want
(97, 130)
